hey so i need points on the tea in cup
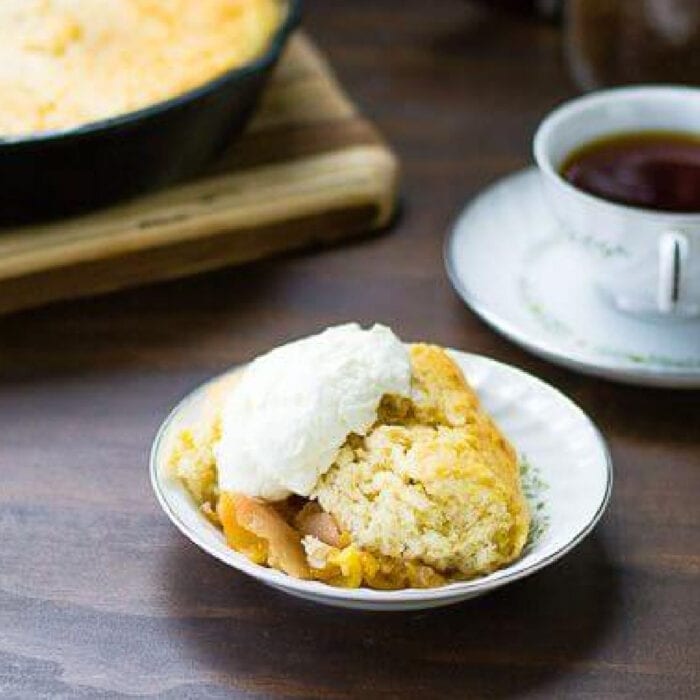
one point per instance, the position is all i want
(621, 170)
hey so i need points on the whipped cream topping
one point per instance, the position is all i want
(293, 408)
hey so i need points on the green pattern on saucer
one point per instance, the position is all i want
(550, 323)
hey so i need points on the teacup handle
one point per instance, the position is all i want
(673, 261)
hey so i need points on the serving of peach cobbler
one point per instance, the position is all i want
(354, 459)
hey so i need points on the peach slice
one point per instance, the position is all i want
(256, 528)
(311, 520)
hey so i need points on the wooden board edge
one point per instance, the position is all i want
(190, 256)
(369, 176)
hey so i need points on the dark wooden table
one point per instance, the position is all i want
(100, 596)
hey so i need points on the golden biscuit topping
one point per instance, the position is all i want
(69, 62)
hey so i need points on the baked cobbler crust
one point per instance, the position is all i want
(70, 62)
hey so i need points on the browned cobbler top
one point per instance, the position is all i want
(69, 62)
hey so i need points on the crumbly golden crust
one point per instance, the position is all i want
(434, 481)
(70, 62)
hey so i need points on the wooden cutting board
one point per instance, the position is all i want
(309, 169)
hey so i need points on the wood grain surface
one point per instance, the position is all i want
(101, 597)
(309, 169)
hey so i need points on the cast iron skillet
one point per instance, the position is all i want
(57, 173)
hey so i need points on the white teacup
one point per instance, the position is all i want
(645, 261)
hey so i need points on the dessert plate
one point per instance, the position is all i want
(567, 476)
(509, 260)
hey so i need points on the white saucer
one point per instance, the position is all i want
(509, 261)
(567, 483)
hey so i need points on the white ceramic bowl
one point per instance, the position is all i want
(558, 440)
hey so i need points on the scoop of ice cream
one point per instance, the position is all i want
(293, 408)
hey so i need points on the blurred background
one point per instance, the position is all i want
(614, 42)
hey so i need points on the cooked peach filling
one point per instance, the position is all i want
(273, 535)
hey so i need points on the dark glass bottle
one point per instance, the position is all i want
(618, 42)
